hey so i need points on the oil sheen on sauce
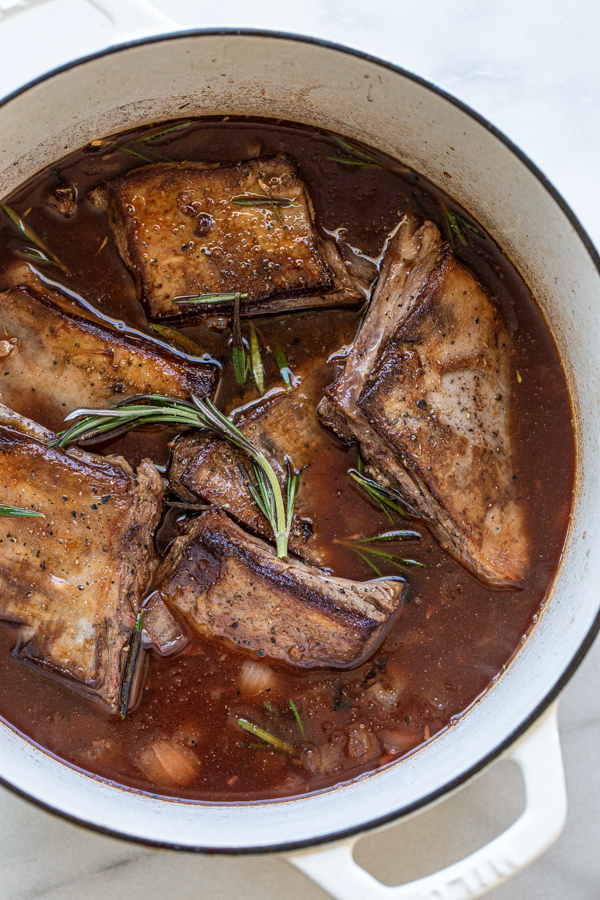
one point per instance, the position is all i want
(455, 636)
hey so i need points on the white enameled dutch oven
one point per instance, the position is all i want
(322, 85)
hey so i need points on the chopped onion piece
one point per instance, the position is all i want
(362, 743)
(255, 678)
(168, 763)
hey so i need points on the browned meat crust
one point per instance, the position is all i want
(72, 582)
(56, 360)
(426, 393)
(231, 585)
(180, 234)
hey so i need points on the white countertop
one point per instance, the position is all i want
(533, 69)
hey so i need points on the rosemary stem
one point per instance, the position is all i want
(281, 534)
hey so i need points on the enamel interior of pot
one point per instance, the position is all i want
(208, 74)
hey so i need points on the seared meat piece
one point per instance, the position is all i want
(426, 392)
(55, 360)
(72, 582)
(181, 233)
(231, 585)
(205, 466)
(161, 629)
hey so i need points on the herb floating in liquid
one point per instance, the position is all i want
(207, 298)
(179, 339)
(42, 253)
(154, 409)
(135, 642)
(386, 500)
(367, 553)
(455, 225)
(16, 512)
(362, 158)
(405, 534)
(282, 363)
(135, 153)
(266, 736)
(258, 370)
(157, 134)
(297, 718)
(238, 349)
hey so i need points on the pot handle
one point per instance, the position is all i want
(539, 757)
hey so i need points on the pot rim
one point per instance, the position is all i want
(589, 638)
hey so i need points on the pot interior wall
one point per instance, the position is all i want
(205, 74)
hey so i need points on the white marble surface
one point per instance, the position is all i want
(533, 69)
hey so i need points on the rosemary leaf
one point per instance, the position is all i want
(398, 561)
(180, 340)
(258, 370)
(207, 298)
(267, 737)
(35, 254)
(157, 134)
(374, 497)
(135, 153)
(455, 225)
(17, 512)
(370, 160)
(282, 363)
(238, 350)
(46, 254)
(130, 666)
(405, 534)
(274, 714)
(297, 717)
(378, 493)
(368, 561)
(291, 489)
(349, 162)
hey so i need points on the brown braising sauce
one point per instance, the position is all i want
(455, 636)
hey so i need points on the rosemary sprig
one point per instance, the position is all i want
(17, 512)
(260, 200)
(258, 370)
(238, 348)
(130, 665)
(297, 717)
(207, 298)
(147, 409)
(367, 553)
(179, 339)
(387, 500)
(267, 737)
(43, 253)
(455, 225)
(284, 369)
